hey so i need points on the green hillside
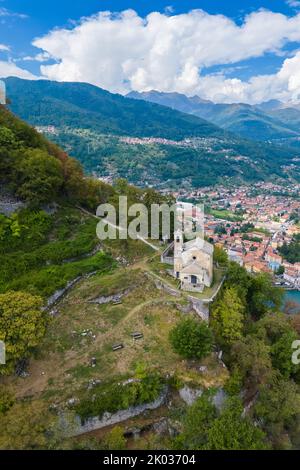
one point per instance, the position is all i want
(89, 123)
(247, 121)
(60, 358)
(49, 230)
(82, 105)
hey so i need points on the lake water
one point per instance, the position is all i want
(292, 296)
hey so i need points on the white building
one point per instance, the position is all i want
(193, 262)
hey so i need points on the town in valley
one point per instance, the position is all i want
(253, 224)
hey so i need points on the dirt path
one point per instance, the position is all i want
(138, 307)
(121, 229)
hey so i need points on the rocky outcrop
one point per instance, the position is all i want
(61, 292)
(109, 419)
(109, 298)
(189, 395)
(219, 399)
(201, 308)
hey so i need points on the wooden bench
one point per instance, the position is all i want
(137, 335)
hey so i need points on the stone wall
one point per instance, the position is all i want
(162, 286)
(201, 308)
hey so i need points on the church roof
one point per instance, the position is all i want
(193, 268)
(200, 244)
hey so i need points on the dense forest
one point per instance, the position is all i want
(71, 104)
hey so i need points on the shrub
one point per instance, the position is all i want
(192, 339)
(22, 326)
(6, 400)
(115, 439)
(118, 396)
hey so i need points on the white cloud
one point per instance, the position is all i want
(9, 69)
(8, 13)
(41, 57)
(122, 52)
(293, 3)
(4, 47)
(169, 9)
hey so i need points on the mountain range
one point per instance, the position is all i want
(272, 120)
(78, 105)
(148, 143)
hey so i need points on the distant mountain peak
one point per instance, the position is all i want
(259, 122)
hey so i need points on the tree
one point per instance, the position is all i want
(220, 229)
(281, 353)
(234, 383)
(295, 321)
(227, 318)
(39, 177)
(238, 277)
(191, 339)
(263, 296)
(231, 431)
(291, 252)
(252, 357)
(196, 424)
(280, 271)
(220, 256)
(22, 326)
(73, 175)
(94, 193)
(25, 426)
(276, 330)
(278, 403)
(204, 429)
(272, 326)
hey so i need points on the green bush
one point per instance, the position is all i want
(192, 339)
(118, 396)
(47, 280)
(6, 399)
(34, 247)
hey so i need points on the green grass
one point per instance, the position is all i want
(225, 215)
(129, 250)
(261, 230)
(61, 368)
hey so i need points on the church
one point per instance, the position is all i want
(193, 262)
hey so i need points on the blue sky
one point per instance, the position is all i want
(21, 22)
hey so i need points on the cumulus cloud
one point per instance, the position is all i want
(10, 69)
(123, 52)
